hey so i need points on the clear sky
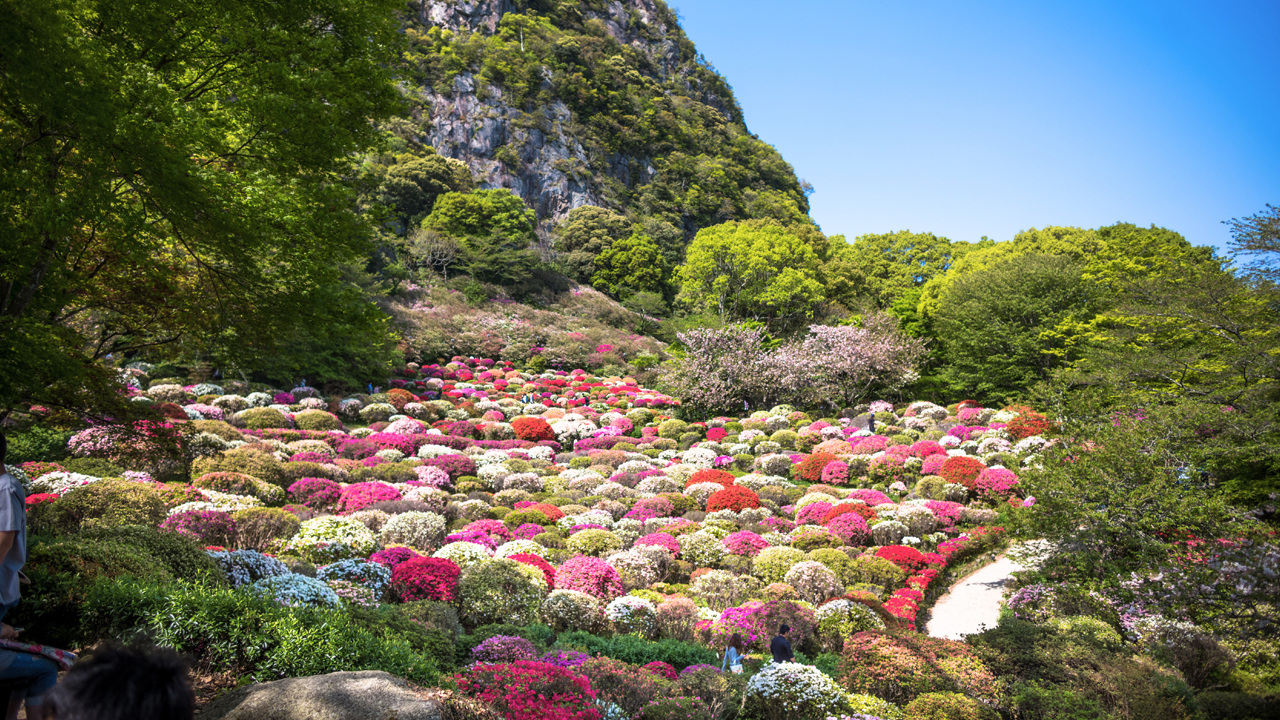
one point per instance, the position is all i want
(988, 117)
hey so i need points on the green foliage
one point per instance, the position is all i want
(97, 467)
(107, 503)
(412, 184)
(895, 263)
(637, 651)
(628, 266)
(1009, 326)
(391, 622)
(257, 528)
(130, 145)
(183, 557)
(495, 229)
(246, 461)
(36, 443)
(752, 270)
(584, 234)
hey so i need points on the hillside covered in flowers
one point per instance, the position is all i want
(560, 545)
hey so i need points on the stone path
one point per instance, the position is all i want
(974, 602)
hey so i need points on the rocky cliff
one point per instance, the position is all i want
(589, 103)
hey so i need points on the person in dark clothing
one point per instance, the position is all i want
(780, 646)
(117, 683)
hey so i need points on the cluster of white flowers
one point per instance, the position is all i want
(800, 690)
(60, 482)
(463, 554)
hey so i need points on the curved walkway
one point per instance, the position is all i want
(974, 602)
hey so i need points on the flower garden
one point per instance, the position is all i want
(553, 545)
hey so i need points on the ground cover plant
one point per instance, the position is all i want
(565, 544)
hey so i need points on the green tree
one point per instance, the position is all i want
(1257, 239)
(173, 172)
(496, 229)
(752, 270)
(628, 266)
(411, 187)
(1000, 328)
(584, 234)
(894, 263)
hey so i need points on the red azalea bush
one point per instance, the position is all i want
(1027, 423)
(532, 429)
(590, 575)
(907, 558)
(425, 578)
(810, 469)
(864, 511)
(393, 557)
(394, 441)
(661, 669)
(38, 498)
(962, 470)
(359, 496)
(735, 498)
(716, 434)
(531, 690)
(315, 493)
(926, 448)
(720, 477)
(548, 571)
(900, 667)
(552, 512)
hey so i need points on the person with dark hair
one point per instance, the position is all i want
(26, 676)
(115, 683)
(733, 655)
(780, 646)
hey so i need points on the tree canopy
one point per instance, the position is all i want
(182, 180)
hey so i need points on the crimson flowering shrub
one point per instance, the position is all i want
(531, 690)
(393, 557)
(720, 477)
(532, 429)
(548, 571)
(394, 441)
(962, 470)
(359, 496)
(355, 448)
(493, 528)
(744, 542)
(207, 527)
(315, 493)
(39, 498)
(835, 472)
(716, 434)
(1027, 423)
(735, 498)
(456, 465)
(553, 513)
(425, 578)
(926, 448)
(863, 511)
(589, 575)
(870, 445)
(810, 469)
(901, 667)
(907, 558)
(661, 669)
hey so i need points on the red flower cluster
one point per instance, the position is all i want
(425, 578)
(810, 469)
(1027, 423)
(548, 571)
(907, 558)
(962, 470)
(735, 498)
(532, 429)
(530, 690)
(361, 495)
(720, 477)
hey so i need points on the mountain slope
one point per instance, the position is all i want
(591, 103)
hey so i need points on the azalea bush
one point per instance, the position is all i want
(531, 690)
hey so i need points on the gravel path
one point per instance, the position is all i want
(974, 602)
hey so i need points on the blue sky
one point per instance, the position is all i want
(986, 118)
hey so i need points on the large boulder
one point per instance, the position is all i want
(364, 695)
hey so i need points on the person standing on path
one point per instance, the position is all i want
(780, 646)
(35, 675)
(733, 655)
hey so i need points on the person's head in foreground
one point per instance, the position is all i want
(784, 629)
(116, 683)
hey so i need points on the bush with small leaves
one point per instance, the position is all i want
(570, 610)
(772, 564)
(259, 528)
(501, 590)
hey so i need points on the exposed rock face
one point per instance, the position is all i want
(366, 695)
(541, 159)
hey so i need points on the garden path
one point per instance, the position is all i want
(974, 602)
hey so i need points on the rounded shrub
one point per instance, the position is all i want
(260, 528)
(594, 541)
(421, 530)
(772, 564)
(317, 494)
(735, 498)
(293, 590)
(571, 610)
(422, 578)
(263, 418)
(899, 668)
(530, 690)
(947, 706)
(206, 527)
(249, 460)
(241, 484)
(182, 556)
(590, 575)
(331, 529)
(790, 689)
(500, 591)
(108, 503)
(317, 420)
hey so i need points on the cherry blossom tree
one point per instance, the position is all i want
(848, 362)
